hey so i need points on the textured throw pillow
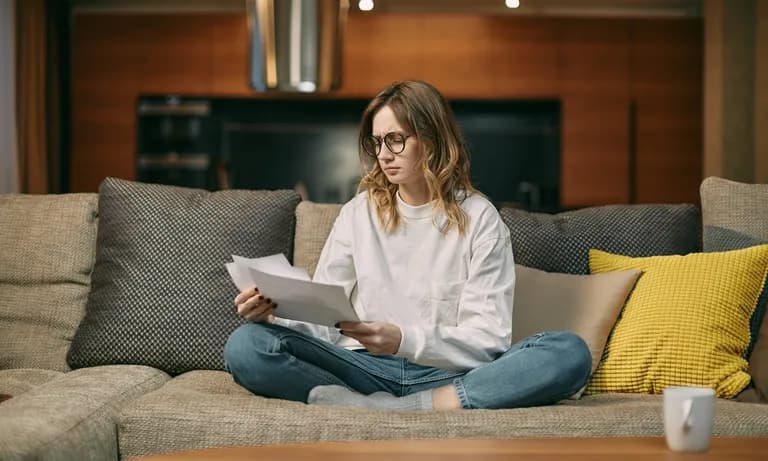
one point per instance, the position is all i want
(685, 323)
(48, 244)
(561, 242)
(587, 305)
(161, 295)
(735, 216)
(314, 222)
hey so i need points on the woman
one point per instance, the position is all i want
(427, 262)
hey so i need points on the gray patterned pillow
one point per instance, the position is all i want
(160, 293)
(561, 242)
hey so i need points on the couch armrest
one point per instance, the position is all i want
(73, 416)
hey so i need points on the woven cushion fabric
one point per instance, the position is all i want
(47, 248)
(20, 380)
(735, 216)
(203, 409)
(314, 222)
(561, 242)
(685, 323)
(587, 305)
(161, 295)
(73, 417)
(734, 206)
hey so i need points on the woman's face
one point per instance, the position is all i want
(403, 169)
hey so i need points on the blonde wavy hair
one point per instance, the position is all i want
(423, 112)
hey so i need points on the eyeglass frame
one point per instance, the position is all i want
(382, 140)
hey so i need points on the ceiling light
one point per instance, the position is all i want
(509, 3)
(365, 5)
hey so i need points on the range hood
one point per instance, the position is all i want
(296, 44)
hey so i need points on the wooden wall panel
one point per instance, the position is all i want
(464, 55)
(117, 57)
(457, 54)
(379, 49)
(594, 161)
(177, 53)
(595, 123)
(231, 67)
(104, 78)
(667, 87)
(595, 67)
(524, 56)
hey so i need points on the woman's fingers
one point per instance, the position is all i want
(255, 306)
(246, 295)
(261, 313)
(251, 303)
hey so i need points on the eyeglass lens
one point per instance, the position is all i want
(395, 143)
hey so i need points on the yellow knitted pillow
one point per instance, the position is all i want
(685, 323)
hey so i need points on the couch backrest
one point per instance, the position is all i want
(551, 242)
(734, 216)
(561, 242)
(314, 222)
(47, 250)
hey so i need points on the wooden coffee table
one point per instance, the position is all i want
(623, 449)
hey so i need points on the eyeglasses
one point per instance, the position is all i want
(394, 140)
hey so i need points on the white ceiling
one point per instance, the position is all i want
(670, 8)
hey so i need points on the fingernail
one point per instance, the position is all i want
(261, 297)
(255, 288)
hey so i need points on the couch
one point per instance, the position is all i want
(109, 351)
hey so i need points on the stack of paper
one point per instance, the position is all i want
(297, 297)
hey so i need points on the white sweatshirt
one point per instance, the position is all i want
(451, 295)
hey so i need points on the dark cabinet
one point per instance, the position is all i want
(176, 143)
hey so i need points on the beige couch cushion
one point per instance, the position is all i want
(314, 222)
(73, 417)
(20, 380)
(735, 215)
(48, 244)
(203, 409)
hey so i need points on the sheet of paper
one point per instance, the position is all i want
(304, 300)
(276, 265)
(296, 296)
(240, 276)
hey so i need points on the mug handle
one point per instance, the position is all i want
(687, 413)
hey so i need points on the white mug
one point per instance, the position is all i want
(688, 416)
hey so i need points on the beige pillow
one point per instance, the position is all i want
(587, 305)
(734, 216)
(314, 222)
(47, 249)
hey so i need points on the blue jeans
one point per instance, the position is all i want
(278, 362)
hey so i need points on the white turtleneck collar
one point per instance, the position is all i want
(414, 211)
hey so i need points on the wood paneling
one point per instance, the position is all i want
(595, 125)
(379, 49)
(231, 67)
(596, 67)
(667, 89)
(117, 57)
(524, 57)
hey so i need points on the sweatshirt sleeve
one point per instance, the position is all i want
(334, 266)
(484, 326)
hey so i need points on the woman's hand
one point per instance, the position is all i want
(378, 337)
(253, 306)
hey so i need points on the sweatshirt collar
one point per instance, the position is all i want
(414, 212)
